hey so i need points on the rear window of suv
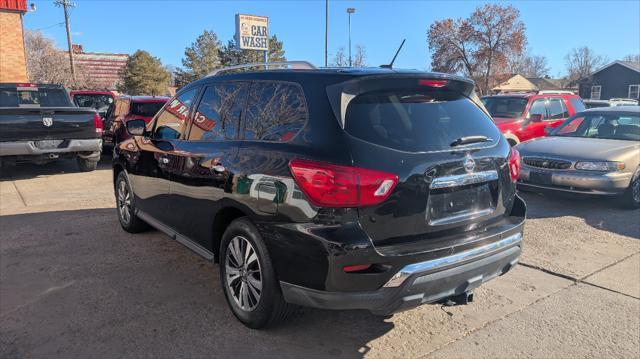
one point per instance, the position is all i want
(417, 120)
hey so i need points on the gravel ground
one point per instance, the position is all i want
(73, 284)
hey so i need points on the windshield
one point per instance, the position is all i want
(616, 126)
(417, 120)
(510, 107)
(146, 109)
(34, 97)
(100, 102)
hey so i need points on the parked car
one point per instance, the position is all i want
(39, 124)
(99, 100)
(127, 108)
(596, 103)
(594, 152)
(372, 189)
(623, 102)
(524, 116)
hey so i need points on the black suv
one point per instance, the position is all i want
(371, 189)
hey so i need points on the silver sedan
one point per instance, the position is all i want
(593, 152)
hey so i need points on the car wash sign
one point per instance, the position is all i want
(252, 32)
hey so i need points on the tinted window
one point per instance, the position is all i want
(145, 109)
(275, 112)
(577, 104)
(510, 107)
(618, 126)
(171, 121)
(34, 97)
(219, 112)
(416, 120)
(556, 109)
(538, 108)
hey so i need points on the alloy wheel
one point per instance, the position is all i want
(243, 274)
(124, 202)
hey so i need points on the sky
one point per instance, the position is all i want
(165, 28)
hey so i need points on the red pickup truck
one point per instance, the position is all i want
(524, 116)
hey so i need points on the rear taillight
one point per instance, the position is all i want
(514, 164)
(97, 123)
(328, 185)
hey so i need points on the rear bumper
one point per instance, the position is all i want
(579, 181)
(420, 283)
(27, 148)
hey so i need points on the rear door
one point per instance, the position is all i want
(410, 128)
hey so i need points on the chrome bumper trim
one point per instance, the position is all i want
(18, 148)
(440, 263)
(465, 179)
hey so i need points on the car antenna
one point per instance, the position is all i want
(390, 66)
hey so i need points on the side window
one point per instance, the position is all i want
(171, 121)
(538, 108)
(556, 109)
(218, 113)
(275, 112)
(578, 104)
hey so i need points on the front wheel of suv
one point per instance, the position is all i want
(126, 206)
(248, 279)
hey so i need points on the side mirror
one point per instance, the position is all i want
(535, 118)
(136, 127)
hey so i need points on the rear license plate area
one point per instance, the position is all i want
(540, 178)
(462, 203)
(48, 144)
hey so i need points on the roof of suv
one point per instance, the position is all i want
(531, 94)
(342, 73)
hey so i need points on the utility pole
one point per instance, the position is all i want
(326, 32)
(66, 5)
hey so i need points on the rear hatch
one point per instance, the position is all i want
(450, 158)
(42, 113)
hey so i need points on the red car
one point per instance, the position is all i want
(523, 116)
(125, 109)
(99, 100)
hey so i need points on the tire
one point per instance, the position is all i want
(125, 206)
(263, 305)
(86, 165)
(631, 197)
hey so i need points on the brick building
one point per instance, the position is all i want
(13, 66)
(102, 70)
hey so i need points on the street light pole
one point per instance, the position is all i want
(326, 32)
(350, 11)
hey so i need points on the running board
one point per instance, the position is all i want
(185, 241)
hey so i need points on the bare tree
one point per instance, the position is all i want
(360, 59)
(48, 64)
(479, 46)
(582, 62)
(528, 65)
(632, 58)
(339, 59)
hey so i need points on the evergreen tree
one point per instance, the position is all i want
(144, 75)
(230, 55)
(203, 56)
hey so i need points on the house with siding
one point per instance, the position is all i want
(619, 79)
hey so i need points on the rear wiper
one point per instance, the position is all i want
(470, 139)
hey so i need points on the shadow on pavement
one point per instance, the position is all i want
(29, 170)
(602, 213)
(74, 284)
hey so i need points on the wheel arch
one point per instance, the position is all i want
(221, 221)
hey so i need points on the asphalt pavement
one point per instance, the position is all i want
(75, 285)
